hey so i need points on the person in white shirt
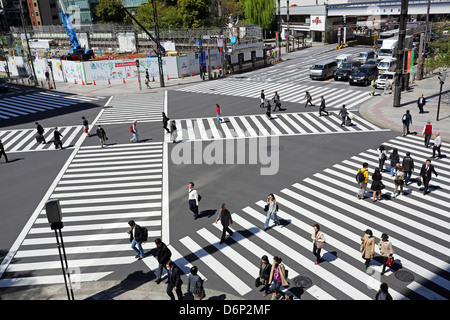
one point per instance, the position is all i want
(437, 145)
(193, 199)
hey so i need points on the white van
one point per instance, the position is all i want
(343, 58)
(387, 64)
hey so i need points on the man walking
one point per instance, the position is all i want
(134, 131)
(427, 132)
(174, 281)
(57, 138)
(387, 85)
(425, 173)
(163, 255)
(322, 106)
(225, 219)
(407, 121)
(361, 178)
(2, 152)
(343, 113)
(408, 166)
(40, 133)
(193, 199)
(136, 238)
(173, 131)
(421, 102)
(101, 134)
(276, 101)
(263, 98)
(165, 121)
(437, 145)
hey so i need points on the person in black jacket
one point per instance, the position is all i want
(174, 282)
(40, 132)
(2, 151)
(425, 173)
(136, 238)
(57, 138)
(163, 255)
(165, 121)
(264, 274)
(101, 134)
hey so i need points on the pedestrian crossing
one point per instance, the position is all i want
(282, 124)
(288, 92)
(101, 190)
(418, 228)
(142, 107)
(24, 140)
(41, 101)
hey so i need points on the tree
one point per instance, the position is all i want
(110, 11)
(195, 13)
(260, 12)
(440, 58)
(168, 15)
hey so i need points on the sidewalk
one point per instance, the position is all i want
(380, 110)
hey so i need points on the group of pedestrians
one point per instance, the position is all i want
(386, 250)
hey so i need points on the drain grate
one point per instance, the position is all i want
(404, 276)
(303, 282)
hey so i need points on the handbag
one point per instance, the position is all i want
(390, 261)
(257, 282)
(320, 245)
(266, 208)
(419, 182)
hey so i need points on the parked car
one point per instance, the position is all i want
(323, 70)
(345, 70)
(363, 75)
(381, 81)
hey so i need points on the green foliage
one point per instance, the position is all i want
(168, 15)
(109, 11)
(195, 13)
(440, 58)
(260, 12)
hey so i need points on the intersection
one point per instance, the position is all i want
(101, 189)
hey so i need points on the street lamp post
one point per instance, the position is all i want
(442, 76)
(28, 44)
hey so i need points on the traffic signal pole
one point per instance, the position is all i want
(399, 80)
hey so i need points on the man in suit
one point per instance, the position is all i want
(174, 281)
(173, 131)
(40, 132)
(165, 121)
(322, 106)
(425, 174)
(57, 138)
(163, 255)
(421, 102)
(225, 218)
(343, 113)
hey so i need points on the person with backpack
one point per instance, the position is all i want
(399, 181)
(361, 177)
(137, 237)
(408, 167)
(394, 161)
(134, 131)
(163, 255)
(407, 121)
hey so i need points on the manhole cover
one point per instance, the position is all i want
(303, 282)
(404, 276)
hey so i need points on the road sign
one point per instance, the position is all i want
(219, 42)
(233, 39)
(199, 42)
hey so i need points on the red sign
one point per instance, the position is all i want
(126, 64)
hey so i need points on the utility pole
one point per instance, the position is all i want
(158, 44)
(400, 54)
(442, 76)
(28, 44)
(287, 27)
(424, 43)
(278, 31)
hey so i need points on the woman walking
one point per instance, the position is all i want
(195, 284)
(277, 276)
(377, 185)
(318, 242)
(264, 274)
(386, 250)
(268, 110)
(308, 99)
(395, 160)
(272, 209)
(382, 156)
(85, 125)
(367, 247)
(383, 293)
(399, 181)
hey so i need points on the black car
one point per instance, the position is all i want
(3, 85)
(363, 75)
(345, 70)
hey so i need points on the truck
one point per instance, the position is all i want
(77, 53)
(389, 49)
